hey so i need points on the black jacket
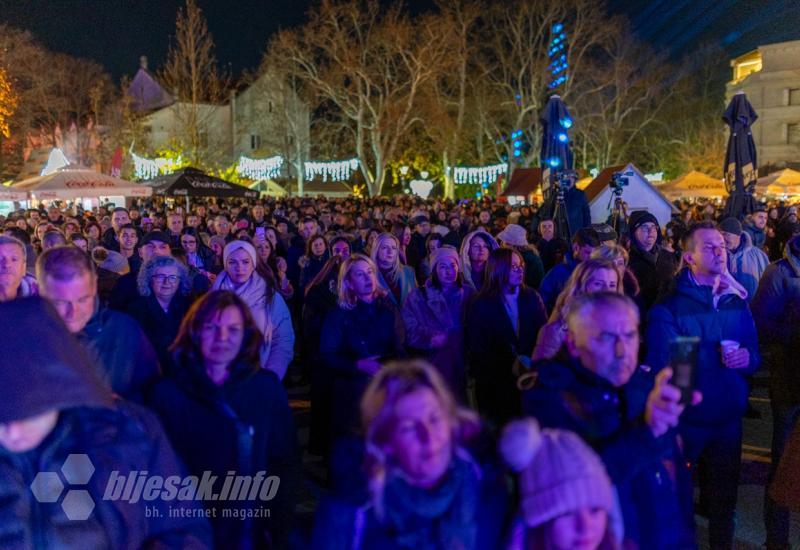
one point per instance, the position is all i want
(193, 411)
(654, 271)
(160, 327)
(126, 360)
(653, 485)
(348, 335)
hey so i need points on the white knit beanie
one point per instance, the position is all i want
(233, 246)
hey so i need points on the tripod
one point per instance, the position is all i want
(560, 218)
(617, 216)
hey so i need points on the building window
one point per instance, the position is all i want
(255, 142)
(746, 65)
(793, 134)
(794, 96)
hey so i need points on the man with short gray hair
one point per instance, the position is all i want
(14, 283)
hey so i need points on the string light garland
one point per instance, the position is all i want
(478, 174)
(558, 56)
(145, 169)
(340, 170)
(260, 169)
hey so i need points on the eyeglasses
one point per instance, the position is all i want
(161, 279)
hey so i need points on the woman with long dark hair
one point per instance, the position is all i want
(223, 413)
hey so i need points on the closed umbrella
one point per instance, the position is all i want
(556, 159)
(741, 168)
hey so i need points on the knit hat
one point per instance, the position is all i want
(558, 472)
(233, 246)
(731, 225)
(514, 235)
(110, 260)
(155, 236)
(444, 252)
(605, 232)
(639, 218)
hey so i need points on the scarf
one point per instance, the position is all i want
(441, 518)
(253, 292)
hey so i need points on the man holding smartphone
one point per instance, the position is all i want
(596, 389)
(709, 303)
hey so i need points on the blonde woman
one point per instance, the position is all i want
(364, 330)
(396, 278)
(425, 488)
(589, 277)
(617, 255)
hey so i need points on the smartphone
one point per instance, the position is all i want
(683, 360)
(260, 233)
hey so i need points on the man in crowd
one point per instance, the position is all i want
(174, 228)
(708, 302)
(126, 360)
(757, 227)
(13, 260)
(584, 241)
(53, 408)
(222, 227)
(128, 238)
(626, 413)
(653, 266)
(550, 247)
(776, 308)
(416, 251)
(155, 243)
(119, 217)
(745, 262)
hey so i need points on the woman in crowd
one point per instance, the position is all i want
(266, 255)
(364, 330)
(217, 246)
(591, 276)
(425, 488)
(617, 255)
(92, 232)
(164, 286)
(434, 241)
(257, 288)
(434, 318)
(475, 249)
(315, 257)
(515, 236)
(198, 255)
(223, 413)
(393, 276)
(502, 324)
(402, 231)
(566, 496)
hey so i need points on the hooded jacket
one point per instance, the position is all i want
(44, 369)
(747, 264)
(654, 270)
(466, 263)
(690, 310)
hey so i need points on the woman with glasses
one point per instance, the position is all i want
(502, 324)
(163, 284)
(198, 255)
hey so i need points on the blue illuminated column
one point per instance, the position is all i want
(557, 52)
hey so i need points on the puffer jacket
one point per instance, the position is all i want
(689, 310)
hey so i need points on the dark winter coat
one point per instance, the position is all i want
(493, 346)
(689, 310)
(554, 282)
(548, 251)
(776, 309)
(534, 269)
(207, 425)
(653, 485)
(126, 360)
(311, 266)
(654, 271)
(348, 335)
(160, 327)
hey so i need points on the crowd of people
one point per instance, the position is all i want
(474, 380)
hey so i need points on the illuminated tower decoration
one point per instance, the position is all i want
(557, 53)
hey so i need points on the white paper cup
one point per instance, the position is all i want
(728, 346)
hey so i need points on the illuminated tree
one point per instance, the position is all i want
(8, 103)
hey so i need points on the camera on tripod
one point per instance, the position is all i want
(619, 181)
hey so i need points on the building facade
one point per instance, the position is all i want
(770, 76)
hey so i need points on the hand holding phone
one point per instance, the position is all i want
(683, 360)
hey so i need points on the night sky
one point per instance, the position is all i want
(115, 32)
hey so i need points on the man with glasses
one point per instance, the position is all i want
(653, 265)
(708, 302)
